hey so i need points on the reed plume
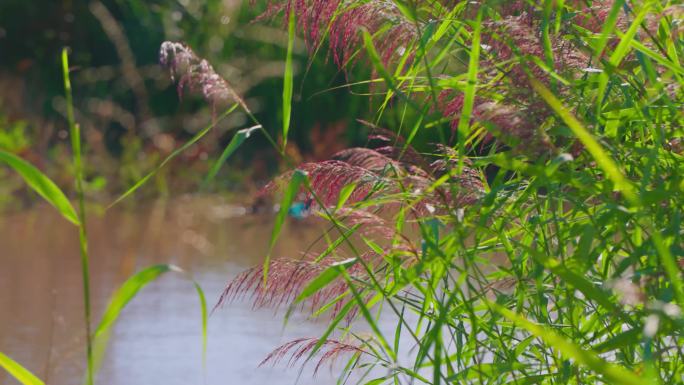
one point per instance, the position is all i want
(288, 277)
(326, 181)
(340, 21)
(196, 75)
(300, 348)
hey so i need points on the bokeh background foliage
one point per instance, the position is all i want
(130, 111)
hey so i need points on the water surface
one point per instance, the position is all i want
(158, 337)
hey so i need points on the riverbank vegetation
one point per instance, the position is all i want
(515, 208)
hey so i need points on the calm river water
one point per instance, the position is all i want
(158, 338)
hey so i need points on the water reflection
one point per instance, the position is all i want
(158, 338)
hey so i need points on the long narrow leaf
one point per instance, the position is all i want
(234, 144)
(288, 79)
(126, 292)
(75, 134)
(17, 371)
(324, 279)
(298, 177)
(473, 69)
(178, 151)
(604, 161)
(613, 373)
(42, 185)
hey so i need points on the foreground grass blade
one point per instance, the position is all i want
(323, 279)
(345, 193)
(473, 68)
(75, 134)
(604, 161)
(125, 294)
(298, 178)
(174, 154)
(613, 373)
(577, 281)
(608, 27)
(203, 309)
(621, 51)
(376, 60)
(288, 80)
(42, 185)
(234, 144)
(621, 183)
(17, 371)
(365, 312)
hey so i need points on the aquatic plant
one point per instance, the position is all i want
(299, 348)
(196, 75)
(547, 242)
(96, 338)
(540, 240)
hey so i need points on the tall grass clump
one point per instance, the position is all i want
(516, 213)
(96, 339)
(519, 218)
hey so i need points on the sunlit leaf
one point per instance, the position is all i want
(613, 373)
(127, 292)
(42, 185)
(288, 79)
(234, 144)
(17, 371)
(324, 279)
(289, 195)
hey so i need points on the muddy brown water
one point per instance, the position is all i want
(157, 340)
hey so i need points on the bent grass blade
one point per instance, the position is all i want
(17, 371)
(42, 185)
(288, 80)
(613, 373)
(127, 292)
(75, 134)
(234, 144)
(174, 154)
(298, 178)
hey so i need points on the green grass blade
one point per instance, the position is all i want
(376, 60)
(365, 312)
(614, 374)
(608, 27)
(174, 154)
(671, 65)
(621, 51)
(324, 279)
(546, 35)
(623, 47)
(234, 144)
(203, 310)
(75, 134)
(345, 193)
(621, 183)
(604, 161)
(126, 292)
(473, 69)
(670, 265)
(42, 185)
(298, 178)
(17, 371)
(621, 340)
(577, 281)
(288, 79)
